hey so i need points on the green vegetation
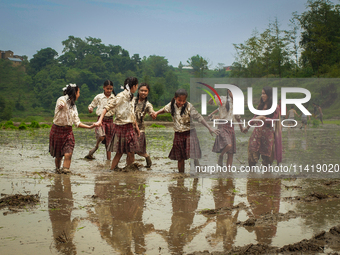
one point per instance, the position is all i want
(154, 125)
(310, 49)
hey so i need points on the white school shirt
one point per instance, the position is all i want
(223, 113)
(123, 108)
(65, 116)
(182, 123)
(100, 101)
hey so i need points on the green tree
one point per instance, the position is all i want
(320, 37)
(41, 59)
(199, 65)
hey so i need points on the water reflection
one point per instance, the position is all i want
(60, 204)
(119, 212)
(226, 230)
(184, 204)
(264, 197)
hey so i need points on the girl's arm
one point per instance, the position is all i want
(211, 131)
(82, 125)
(238, 119)
(99, 122)
(211, 114)
(161, 111)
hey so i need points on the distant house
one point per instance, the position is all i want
(187, 67)
(227, 68)
(8, 54)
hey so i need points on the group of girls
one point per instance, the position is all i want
(127, 134)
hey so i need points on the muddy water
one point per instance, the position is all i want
(157, 211)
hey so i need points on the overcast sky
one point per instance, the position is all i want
(176, 30)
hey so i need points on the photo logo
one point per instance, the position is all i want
(238, 99)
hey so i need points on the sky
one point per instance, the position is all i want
(176, 30)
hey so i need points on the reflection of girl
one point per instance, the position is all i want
(225, 141)
(264, 140)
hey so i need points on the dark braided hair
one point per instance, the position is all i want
(227, 103)
(71, 92)
(130, 81)
(180, 92)
(107, 83)
(146, 99)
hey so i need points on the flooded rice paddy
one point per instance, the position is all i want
(159, 211)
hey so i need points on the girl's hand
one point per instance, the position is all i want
(97, 124)
(90, 109)
(137, 130)
(154, 115)
(214, 131)
(263, 118)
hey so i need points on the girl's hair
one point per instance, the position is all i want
(146, 99)
(107, 83)
(130, 82)
(269, 102)
(71, 90)
(227, 103)
(180, 92)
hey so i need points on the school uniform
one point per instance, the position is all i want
(140, 114)
(107, 124)
(186, 144)
(124, 137)
(226, 135)
(61, 135)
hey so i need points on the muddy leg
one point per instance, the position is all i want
(115, 160)
(67, 160)
(57, 162)
(130, 158)
(180, 165)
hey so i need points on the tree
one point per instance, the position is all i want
(43, 58)
(199, 65)
(180, 66)
(320, 37)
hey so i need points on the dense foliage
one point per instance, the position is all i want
(310, 49)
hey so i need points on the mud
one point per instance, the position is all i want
(312, 197)
(95, 210)
(18, 200)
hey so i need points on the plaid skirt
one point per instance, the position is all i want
(105, 130)
(225, 137)
(142, 143)
(124, 139)
(61, 141)
(185, 146)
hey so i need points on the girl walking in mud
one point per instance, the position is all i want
(265, 140)
(185, 144)
(225, 141)
(142, 107)
(124, 137)
(62, 142)
(103, 133)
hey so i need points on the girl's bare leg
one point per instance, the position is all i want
(115, 160)
(130, 158)
(225, 150)
(180, 165)
(108, 155)
(67, 160)
(230, 159)
(58, 162)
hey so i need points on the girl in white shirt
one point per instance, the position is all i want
(124, 138)
(61, 136)
(186, 144)
(225, 141)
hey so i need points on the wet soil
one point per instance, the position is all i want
(137, 210)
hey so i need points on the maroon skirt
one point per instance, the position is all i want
(61, 141)
(185, 146)
(124, 139)
(225, 137)
(142, 143)
(105, 130)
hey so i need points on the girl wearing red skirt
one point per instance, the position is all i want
(185, 144)
(143, 107)
(61, 136)
(124, 137)
(225, 141)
